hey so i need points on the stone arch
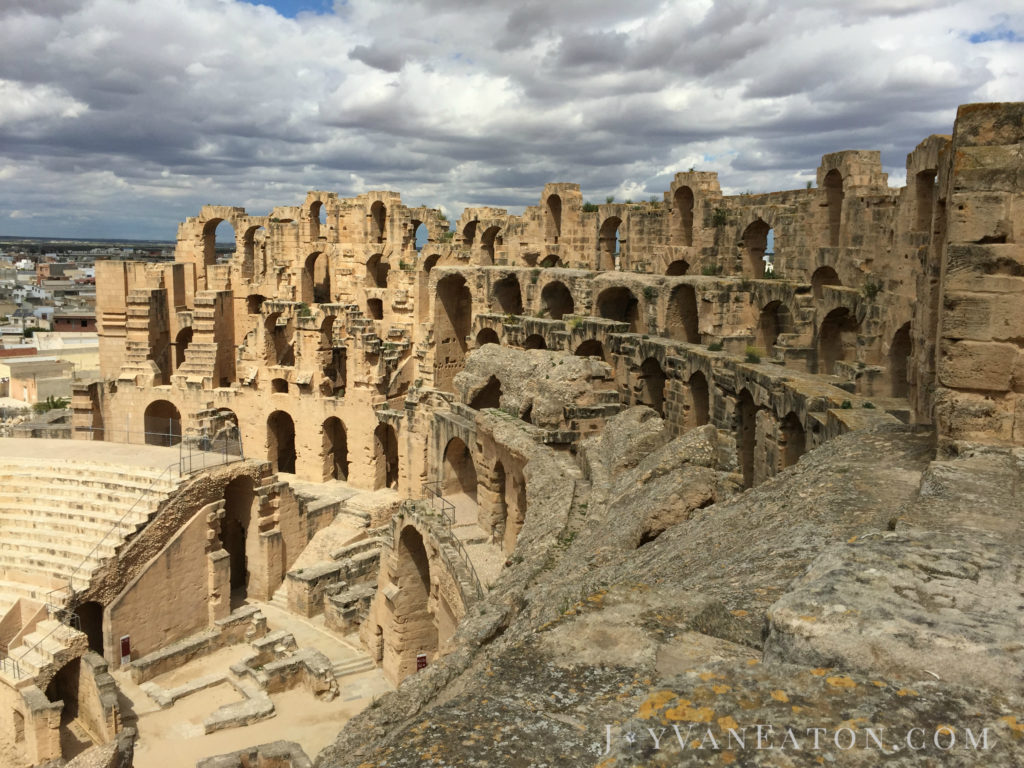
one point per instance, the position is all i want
(254, 303)
(210, 241)
(590, 348)
(279, 386)
(281, 441)
(508, 296)
(775, 320)
(334, 449)
(64, 687)
(375, 309)
(683, 205)
(678, 268)
(420, 234)
(487, 336)
(316, 279)
(550, 261)
(489, 396)
(413, 618)
(515, 509)
(90, 617)
(378, 222)
(162, 423)
(452, 319)
(430, 262)
(385, 455)
(833, 184)
(235, 532)
(682, 321)
(608, 242)
(552, 218)
(792, 440)
(534, 341)
(280, 339)
(924, 199)
(377, 268)
(317, 218)
(755, 243)
(469, 233)
(249, 243)
(181, 342)
(498, 507)
(700, 401)
(619, 304)
(823, 276)
(488, 240)
(556, 300)
(652, 385)
(837, 339)
(899, 362)
(458, 470)
(746, 435)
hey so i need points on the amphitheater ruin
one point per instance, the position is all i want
(310, 459)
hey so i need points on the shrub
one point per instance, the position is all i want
(51, 403)
(650, 293)
(610, 199)
(719, 217)
(711, 270)
(871, 289)
(534, 276)
(589, 207)
(302, 309)
(716, 346)
(753, 355)
(868, 405)
(846, 405)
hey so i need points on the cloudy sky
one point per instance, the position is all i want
(119, 118)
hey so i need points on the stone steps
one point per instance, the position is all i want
(353, 666)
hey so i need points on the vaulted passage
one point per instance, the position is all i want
(792, 440)
(489, 396)
(823, 276)
(515, 510)
(590, 348)
(609, 244)
(652, 385)
(316, 279)
(682, 320)
(452, 320)
(377, 269)
(684, 215)
(181, 342)
(619, 304)
(415, 630)
(746, 431)
(90, 614)
(774, 321)
(281, 441)
(487, 336)
(556, 300)
(385, 457)
(508, 297)
(459, 470)
(837, 339)
(234, 534)
(677, 268)
(899, 362)
(534, 341)
(699, 403)
(553, 219)
(833, 184)
(755, 243)
(279, 332)
(162, 423)
(335, 450)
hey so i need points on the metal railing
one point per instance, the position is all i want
(196, 452)
(10, 667)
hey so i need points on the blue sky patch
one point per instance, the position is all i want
(999, 32)
(291, 8)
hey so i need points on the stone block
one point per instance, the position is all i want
(977, 365)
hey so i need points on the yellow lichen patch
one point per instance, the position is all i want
(719, 688)
(854, 723)
(727, 722)
(728, 758)
(851, 540)
(879, 684)
(739, 613)
(752, 662)
(808, 618)
(690, 714)
(695, 744)
(797, 710)
(946, 729)
(654, 702)
(820, 671)
(906, 692)
(748, 703)
(780, 696)
(1011, 721)
(709, 676)
(840, 681)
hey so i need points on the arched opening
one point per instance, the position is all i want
(534, 341)
(488, 241)
(508, 298)
(281, 442)
(280, 337)
(553, 219)
(279, 386)
(755, 243)
(823, 276)
(837, 339)
(90, 615)
(316, 279)
(515, 510)
(420, 235)
(377, 269)
(218, 242)
(619, 304)
(684, 215)
(459, 472)
(469, 234)
(430, 262)
(385, 456)
(899, 359)
(677, 268)
(924, 187)
(775, 320)
(652, 385)
(700, 401)
(489, 396)
(834, 200)
(487, 336)
(746, 432)
(375, 309)
(556, 300)
(550, 261)
(452, 320)
(335, 450)
(317, 219)
(498, 510)
(239, 495)
(253, 241)
(254, 304)
(223, 432)
(64, 687)
(415, 627)
(378, 222)
(682, 320)
(608, 242)
(181, 342)
(162, 423)
(590, 348)
(792, 440)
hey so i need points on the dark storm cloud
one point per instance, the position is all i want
(386, 61)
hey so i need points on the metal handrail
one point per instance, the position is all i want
(440, 505)
(10, 667)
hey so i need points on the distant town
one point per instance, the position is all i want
(48, 333)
